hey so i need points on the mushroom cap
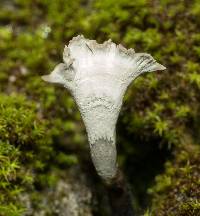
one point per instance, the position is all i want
(97, 76)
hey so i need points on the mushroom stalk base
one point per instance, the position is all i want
(120, 196)
(104, 154)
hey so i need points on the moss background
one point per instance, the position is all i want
(42, 136)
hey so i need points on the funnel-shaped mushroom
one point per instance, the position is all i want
(97, 75)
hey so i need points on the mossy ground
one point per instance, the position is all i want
(41, 131)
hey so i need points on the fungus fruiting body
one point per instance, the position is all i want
(97, 75)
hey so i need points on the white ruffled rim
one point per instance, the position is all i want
(92, 46)
(83, 53)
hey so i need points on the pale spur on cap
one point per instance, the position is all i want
(97, 75)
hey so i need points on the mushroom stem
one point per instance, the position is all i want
(120, 196)
(104, 154)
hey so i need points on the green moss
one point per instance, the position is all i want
(9, 166)
(177, 191)
(25, 151)
(40, 123)
(20, 129)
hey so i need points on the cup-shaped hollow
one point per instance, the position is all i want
(97, 75)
